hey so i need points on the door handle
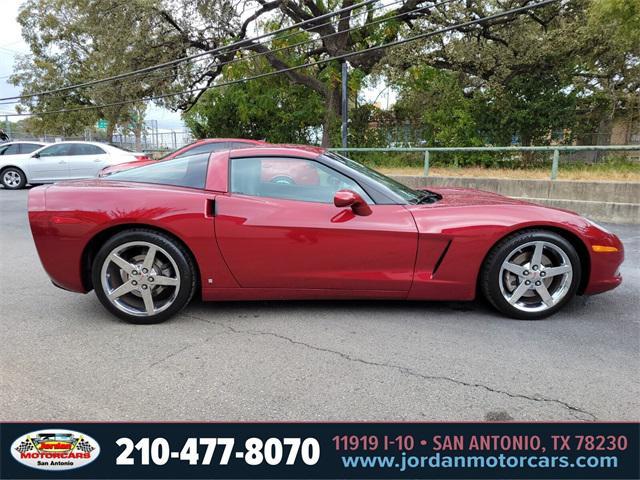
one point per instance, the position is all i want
(61, 162)
(96, 159)
(210, 209)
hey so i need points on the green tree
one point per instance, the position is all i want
(434, 103)
(536, 74)
(270, 108)
(72, 41)
(536, 109)
(621, 18)
(84, 39)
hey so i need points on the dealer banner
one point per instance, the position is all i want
(320, 450)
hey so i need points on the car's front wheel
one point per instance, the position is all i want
(13, 178)
(143, 276)
(531, 274)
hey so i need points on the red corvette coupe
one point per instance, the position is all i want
(148, 239)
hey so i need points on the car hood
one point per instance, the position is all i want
(461, 197)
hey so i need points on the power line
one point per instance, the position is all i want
(309, 64)
(194, 56)
(249, 41)
(312, 40)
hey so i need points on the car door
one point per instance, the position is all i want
(86, 160)
(50, 164)
(276, 233)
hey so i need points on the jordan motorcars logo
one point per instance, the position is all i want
(55, 449)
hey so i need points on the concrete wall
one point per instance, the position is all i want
(616, 202)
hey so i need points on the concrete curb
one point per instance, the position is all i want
(616, 202)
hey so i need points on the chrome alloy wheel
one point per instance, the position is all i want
(535, 276)
(11, 179)
(140, 278)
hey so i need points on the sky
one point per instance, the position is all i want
(12, 44)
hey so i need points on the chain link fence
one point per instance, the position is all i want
(149, 140)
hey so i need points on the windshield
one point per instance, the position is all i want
(120, 147)
(171, 152)
(407, 193)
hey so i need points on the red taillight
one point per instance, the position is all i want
(142, 158)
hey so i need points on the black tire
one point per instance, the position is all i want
(490, 275)
(13, 178)
(186, 273)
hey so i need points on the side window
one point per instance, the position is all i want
(205, 148)
(29, 147)
(12, 149)
(182, 172)
(55, 150)
(290, 179)
(3, 148)
(86, 149)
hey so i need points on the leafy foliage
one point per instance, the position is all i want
(552, 74)
(269, 109)
(435, 100)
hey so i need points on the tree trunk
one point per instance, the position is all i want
(137, 132)
(332, 113)
(525, 141)
(110, 128)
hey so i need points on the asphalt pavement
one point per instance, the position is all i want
(64, 357)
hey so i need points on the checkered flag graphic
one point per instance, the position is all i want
(24, 446)
(84, 446)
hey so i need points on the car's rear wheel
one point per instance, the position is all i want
(143, 276)
(13, 178)
(531, 275)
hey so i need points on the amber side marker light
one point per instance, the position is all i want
(603, 248)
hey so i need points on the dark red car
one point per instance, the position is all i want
(148, 239)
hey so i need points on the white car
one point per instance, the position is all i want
(61, 161)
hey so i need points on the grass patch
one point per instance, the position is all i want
(536, 167)
(532, 174)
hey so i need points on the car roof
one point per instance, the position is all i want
(106, 146)
(305, 151)
(221, 140)
(79, 141)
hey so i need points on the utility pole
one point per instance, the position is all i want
(345, 103)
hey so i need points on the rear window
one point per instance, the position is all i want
(120, 147)
(188, 172)
(10, 150)
(86, 149)
(29, 147)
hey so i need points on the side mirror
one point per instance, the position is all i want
(348, 198)
(35, 155)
